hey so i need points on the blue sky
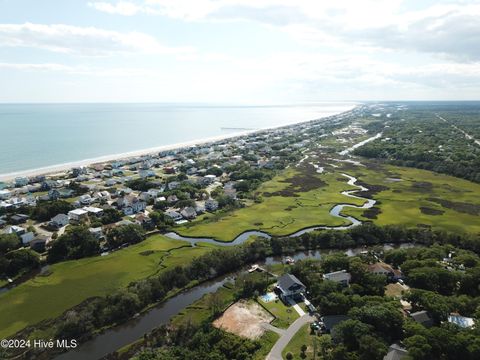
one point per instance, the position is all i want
(238, 51)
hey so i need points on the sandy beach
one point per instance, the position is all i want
(53, 169)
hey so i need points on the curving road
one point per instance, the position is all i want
(276, 352)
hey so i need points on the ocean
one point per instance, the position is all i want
(37, 136)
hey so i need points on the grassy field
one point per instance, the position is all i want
(284, 315)
(201, 310)
(302, 337)
(294, 200)
(267, 341)
(71, 282)
(421, 198)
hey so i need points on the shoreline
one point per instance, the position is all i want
(53, 169)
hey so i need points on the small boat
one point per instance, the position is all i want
(289, 260)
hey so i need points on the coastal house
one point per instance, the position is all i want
(396, 352)
(189, 213)
(173, 185)
(211, 205)
(331, 321)
(5, 194)
(85, 199)
(130, 204)
(96, 232)
(289, 287)
(172, 199)
(18, 219)
(422, 317)
(14, 229)
(38, 243)
(209, 179)
(144, 221)
(146, 173)
(342, 277)
(53, 194)
(192, 171)
(77, 215)
(461, 321)
(27, 237)
(111, 182)
(381, 268)
(174, 215)
(59, 221)
(21, 181)
(94, 211)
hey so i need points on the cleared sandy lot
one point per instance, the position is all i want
(244, 319)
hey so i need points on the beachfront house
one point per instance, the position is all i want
(5, 194)
(289, 287)
(342, 277)
(21, 181)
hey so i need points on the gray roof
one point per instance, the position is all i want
(395, 352)
(331, 321)
(288, 280)
(422, 317)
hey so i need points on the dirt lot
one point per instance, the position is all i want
(244, 319)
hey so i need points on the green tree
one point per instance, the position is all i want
(418, 347)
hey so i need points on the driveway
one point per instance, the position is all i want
(276, 352)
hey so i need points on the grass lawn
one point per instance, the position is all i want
(302, 337)
(394, 290)
(71, 282)
(293, 200)
(200, 310)
(421, 198)
(284, 315)
(268, 339)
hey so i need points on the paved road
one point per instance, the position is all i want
(276, 352)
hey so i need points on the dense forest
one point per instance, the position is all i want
(417, 137)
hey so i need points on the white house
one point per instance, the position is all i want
(92, 210)
(16, 230)
(342, 277)
(77, 215)
(5, 194)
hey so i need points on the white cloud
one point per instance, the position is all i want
(450, 29)
(86, 41)
(121, 8)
